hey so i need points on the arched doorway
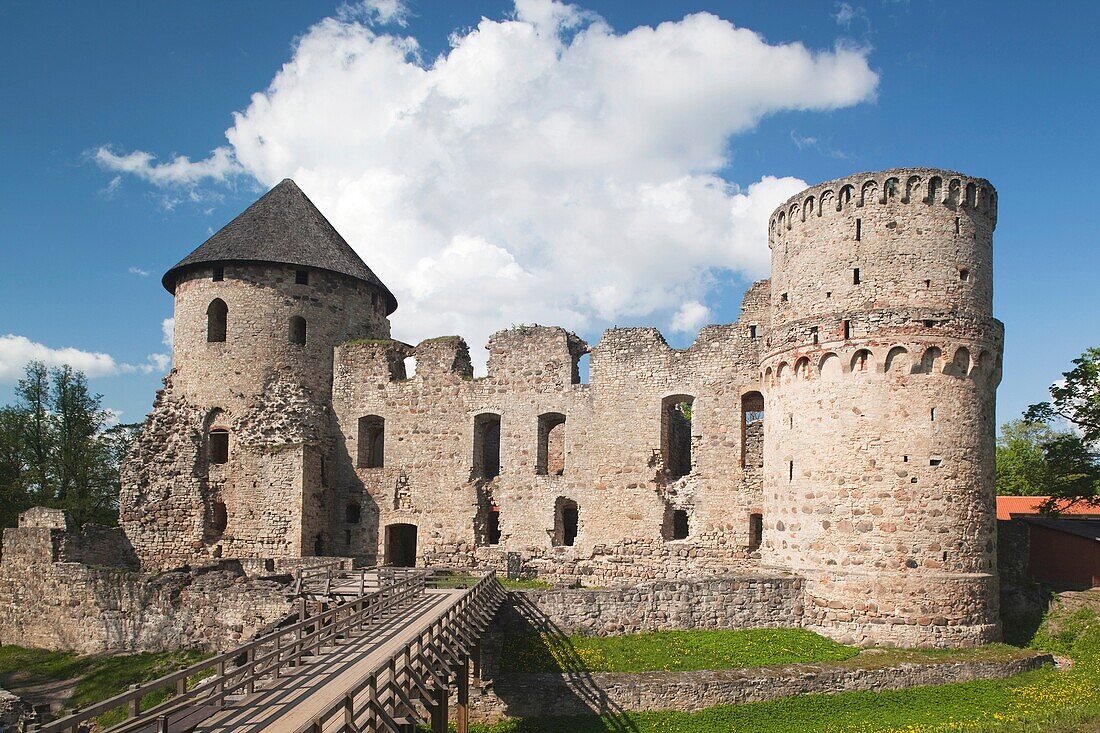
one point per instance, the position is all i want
(401, 545)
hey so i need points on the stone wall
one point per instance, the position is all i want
(49, 602)
(733, 602)
(586, 693)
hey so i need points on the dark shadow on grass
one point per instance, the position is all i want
(574, 689)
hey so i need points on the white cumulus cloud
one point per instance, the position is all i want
(546, 168)
(690, 317)
(18, 351)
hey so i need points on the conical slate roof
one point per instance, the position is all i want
(283, 227)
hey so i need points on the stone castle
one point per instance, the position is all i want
(840, 433)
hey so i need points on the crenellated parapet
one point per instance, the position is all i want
(543, 355)
(897, 186)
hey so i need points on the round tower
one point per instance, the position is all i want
(880, 374)
(270, 295)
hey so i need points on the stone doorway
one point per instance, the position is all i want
(401, 545)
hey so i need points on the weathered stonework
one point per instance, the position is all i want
(840, 431)
(76, 591)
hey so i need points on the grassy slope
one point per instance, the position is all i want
(671, 651)
(100, 677)
(1044, 700)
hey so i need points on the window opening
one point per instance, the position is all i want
(219, 274)
(352, 514)
(566, 517)
(301, 277)
(493, 528)
(297, 333)
(219, 519)
(550, 459)
(676, 417)
(371, 442)
(756, 530)
(859, 229)
(679, 524)
(487, 445)
(219, 445)
(217, 319)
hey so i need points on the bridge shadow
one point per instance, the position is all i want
(573, 691)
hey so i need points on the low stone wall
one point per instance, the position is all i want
(733, 602)
(49, 601)
(536, 695)
(13, 711)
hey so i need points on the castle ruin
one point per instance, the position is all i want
(841, 432)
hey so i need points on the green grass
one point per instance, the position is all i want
(673, 651)
(1046, 700)
(524, 584)
(99, 677)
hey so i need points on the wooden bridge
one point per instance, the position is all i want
(382, 656)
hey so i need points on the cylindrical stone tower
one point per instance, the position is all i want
(880, 375)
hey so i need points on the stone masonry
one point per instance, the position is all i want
(840, 433)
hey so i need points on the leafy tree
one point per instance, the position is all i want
(57, 450)
(1071, 457)
(1022, 468)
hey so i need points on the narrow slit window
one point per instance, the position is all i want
(219, 274)
(932, 414)
(958, 225)
(219, 519)
(813, 333)
(855, 276)
(847, 330)
(859, 229)
(790, 471)
(752, 332)
(301, 277)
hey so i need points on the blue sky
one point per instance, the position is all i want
(1004, 90)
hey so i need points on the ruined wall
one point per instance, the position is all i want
(614, 469)
(880, 372)
(49, 601)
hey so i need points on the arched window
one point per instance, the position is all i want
(566, 519)
(676, 434)
(487, 445)
(297, 330)
(372, 442)
(551, 448)
(217, 319)
(218, 442)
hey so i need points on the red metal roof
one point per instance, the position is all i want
(1016, 506)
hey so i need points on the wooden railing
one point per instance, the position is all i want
(385, 698)
(202, 688)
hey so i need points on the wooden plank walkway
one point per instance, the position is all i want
(290, 702)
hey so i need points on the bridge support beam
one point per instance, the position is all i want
(439, 710)
(462, 710)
